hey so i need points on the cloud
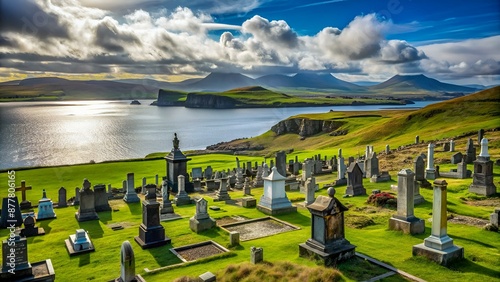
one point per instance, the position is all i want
(274, 33)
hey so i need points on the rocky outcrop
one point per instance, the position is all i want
(195, 100)
(306, 127)
(168, 98)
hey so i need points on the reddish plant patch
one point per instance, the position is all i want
(383, 199)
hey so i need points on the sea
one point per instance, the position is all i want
(72, 132)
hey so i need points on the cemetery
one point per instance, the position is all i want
(220, 217)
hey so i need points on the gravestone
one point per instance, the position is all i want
(62, 202)
(11, 213)
(430, 171)
(310, 189)
(495, 218)
(439, 246)
(77, 197)
(127, 262)
(221, 194)
(79, 243)
(30, 229)
(318, 166)
(196, 173)
(208, 173)
(45, 208)
(166, 207)
(341, 168)
(256, 255)
(15, 264)
(372, 167)
(101, 198)
(143, 186)
(417, 197)
(446, 147)
(234, 238)
(131, 195)
(201, 221)
(246, 187)
(151, 232)
(452, 145)
(156, 179)
(307, 169)
(482, 179)
(176, 163)
(86, 210)
(249, 171)
(327, 242)
(124, 186)
(239, 179)
(480, 135)
(387, 149)
(182, 198)
(417, 139)
(355, 181)
(25, 204)
(405, 220)
(456, 158)
(207, 277)
(274, 200)
(265, 170)
(470, 152)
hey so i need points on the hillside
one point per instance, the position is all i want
(418, 83)
(328, 130)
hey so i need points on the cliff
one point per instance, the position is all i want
(308, 127)
(170, 98)
(195, 100)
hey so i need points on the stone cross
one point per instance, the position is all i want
(23, 188)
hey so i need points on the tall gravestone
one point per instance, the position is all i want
(341, 166)
(274, 200)
(76, 201)
(45, 208)
(222, 194)
(182, 198)
(131, 195)
(201, 221)
(166, 207)
(470, 152)
(371, 167)
(151, 232)
(177, 165)
(452, 145)
(101, 198)
(247, 189)
(405, 220)
(439, 246)
(86, 211)
(258, 181)
(430, 171)
(482, 179)
(62, 201)
(11, 213)
(327, 242)
(281, 162)
(355, 181)
(127, 261)
(310, 189)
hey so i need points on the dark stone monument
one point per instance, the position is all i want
(177, 165)
(480, 135)
(7, 220)
(256, 255)
(470, 152)
(25, 204)
(482, 179)
(355, 180)
(327, 242)
(30, 229)
(101, 198)
(15, 264)
(62, 201)
(419, 169)
(371, 165)
(151, 232)
(456, 158)
(86, 211)
(76, 201)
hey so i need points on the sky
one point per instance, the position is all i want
(355, 40)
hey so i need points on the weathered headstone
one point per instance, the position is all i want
(341, 168)
(256, 255)
(247, 189)
(166, 207)
(327, 242)
(482, 179)
(79, 243)
(446, 147)
(452, 145)
(143, 186)
(274, 200)
(310, 189)
(372, 167)
(101, 198)
(201, 221)
(127, 261)
(239, 179)
(25, 204)
(456, 158)
(355, 181)
(11, 213)
(470, 152)
(307, 169)
(62, 201)
(387, 149)
(86, 211)
(131, 195)
(124, 186)
(417, 139)
(208, 173)
(495, 218)
(182, 198)
(234, 238)
(430, 171)
(439, 246)
(15, 264)
(207, 277)
(45, 208)
(30, 229)
(222, 194)
(77, 197)
(151, 232)
(405, 220)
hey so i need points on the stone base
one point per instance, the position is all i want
(270, 211)
(44, 217)
(342, 253)
(169, 216)
(418, 199)
(486, 190)
(430, 174)
(151, 237)
(25, 205)
(41, 271)
(355, 191)
(222, 197)
(340, 182)
(199, 225)
(86, 216)
(167, 209)
(414, 226)
(37, 232)
(248, 202)
(131, 198)
(184, 201)
(137, 278)
(154, 244)
(73, 252)
(443, 257)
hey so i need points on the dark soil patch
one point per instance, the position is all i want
(490, 202)
(259, 228)
(200, 252)
(230, 219)
(468, 220)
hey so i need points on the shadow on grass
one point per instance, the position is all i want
(93, 228)
(472, 240)
(84, 259)
(105, 216)
(163, 255)
(466, 265)
(45, 225)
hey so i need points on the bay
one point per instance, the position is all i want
(71, 132)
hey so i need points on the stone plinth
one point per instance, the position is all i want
(482, 179)
(182, 198)
(249, 202)
(151, 232)
(130, 194)
(79, 243)
(274, 200)
(222, 194)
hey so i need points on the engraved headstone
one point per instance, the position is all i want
(86, 211)
(62, 202)
(201, 221)
(131, 195)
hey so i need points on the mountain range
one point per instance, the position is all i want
(400, 86)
